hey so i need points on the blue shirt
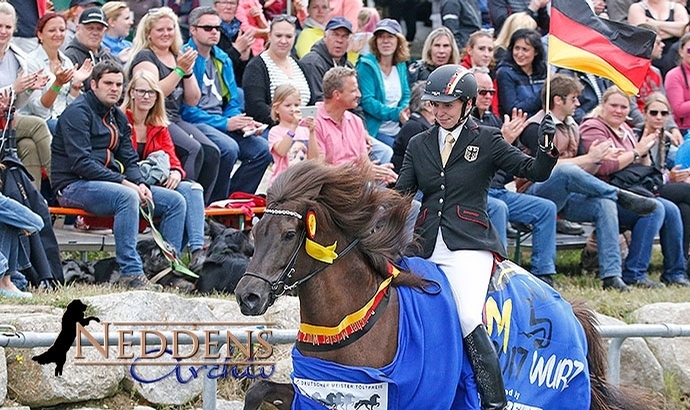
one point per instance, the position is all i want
(115, 45)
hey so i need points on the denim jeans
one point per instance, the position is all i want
(582, 197)
(252, 151)
(666, 221)
(15, 220)
(109, 198)
(504, 206)
(193, 195)
(380, 152)
(386, 139)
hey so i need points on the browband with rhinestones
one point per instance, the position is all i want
(283, 212)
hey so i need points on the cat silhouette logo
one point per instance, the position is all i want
(57, 353)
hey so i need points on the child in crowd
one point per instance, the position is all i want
(293, 139)
(367, 19)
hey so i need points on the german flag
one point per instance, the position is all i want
(581, 41)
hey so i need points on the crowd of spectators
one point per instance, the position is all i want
(217, 86)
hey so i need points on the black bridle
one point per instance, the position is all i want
(280, 285)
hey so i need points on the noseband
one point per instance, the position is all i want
(280, 285)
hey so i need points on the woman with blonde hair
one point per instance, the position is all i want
(157, 48)
(479, 51)
(383, 82)
(273, 67)
(609, 127)
(119, 19)
(439, 49)
(144, 105)
(513, 23)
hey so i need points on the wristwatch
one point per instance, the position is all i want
(290, 133)
(636, 156)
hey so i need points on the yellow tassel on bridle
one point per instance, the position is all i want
(325, 254)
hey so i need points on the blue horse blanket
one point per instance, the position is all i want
(541, 346)
(430, 369)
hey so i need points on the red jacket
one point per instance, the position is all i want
(157, 139)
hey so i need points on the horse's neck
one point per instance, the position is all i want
(342, 289)
(336, 292)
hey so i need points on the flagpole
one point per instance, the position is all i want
(548, 88)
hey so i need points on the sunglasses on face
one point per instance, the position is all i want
(654, 113)
(209, 29)
(483, 93)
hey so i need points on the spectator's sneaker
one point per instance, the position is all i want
(681, 281)
(140, 282)
(647, 283)
(4, 293)
(616, 283)
(636, 203)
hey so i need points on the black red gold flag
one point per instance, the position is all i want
(581, 41)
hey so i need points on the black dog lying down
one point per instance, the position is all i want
(57, 353)
(227, 257)
(226, 261)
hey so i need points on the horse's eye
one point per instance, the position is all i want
(289, 235)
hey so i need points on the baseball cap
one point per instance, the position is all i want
(73, 3)
(388, 25)
(93, 15)
(339, 22)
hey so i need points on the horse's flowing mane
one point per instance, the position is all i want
(348, 199)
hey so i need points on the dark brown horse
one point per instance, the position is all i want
(330, 234)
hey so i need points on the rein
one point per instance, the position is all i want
(280, 285)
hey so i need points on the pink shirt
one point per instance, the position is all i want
(296, 153)
(342, 142)
(248, 22)
(346, 8)
(678, 93)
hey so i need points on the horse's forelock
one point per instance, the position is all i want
(347, 198)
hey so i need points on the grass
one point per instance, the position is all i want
(573, 284)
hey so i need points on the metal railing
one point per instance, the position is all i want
(618, 334)
(26, 340)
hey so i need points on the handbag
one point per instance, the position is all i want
(155, 168)
(641, 179)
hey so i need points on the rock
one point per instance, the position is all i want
(638, 367)
(37, 386)
(16, 408)
(229, 405)
(159, 384)
(672, 353)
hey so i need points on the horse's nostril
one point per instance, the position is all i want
(251, 299)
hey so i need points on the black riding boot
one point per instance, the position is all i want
(487, 370)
